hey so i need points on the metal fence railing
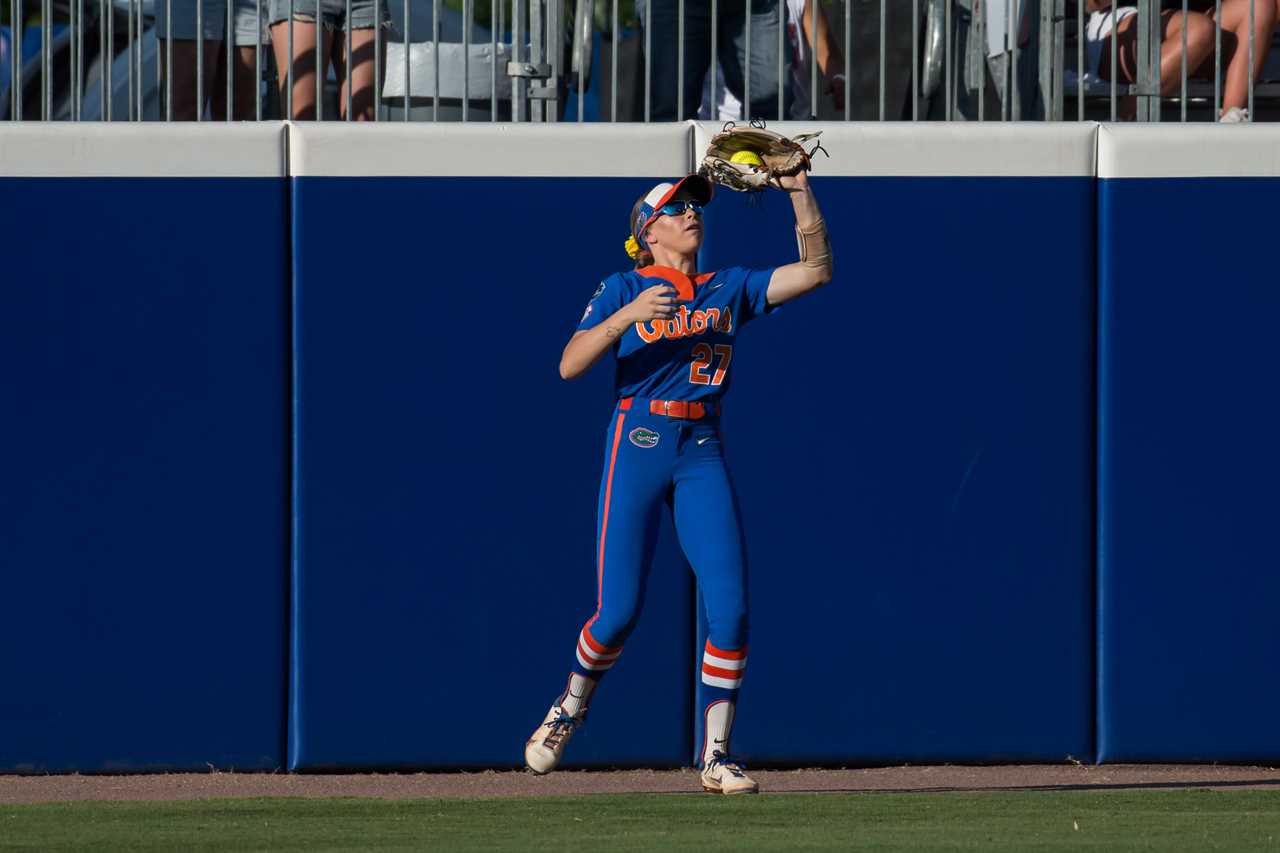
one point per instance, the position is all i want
(638, 60)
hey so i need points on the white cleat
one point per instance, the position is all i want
(725, 775)
(545, 746)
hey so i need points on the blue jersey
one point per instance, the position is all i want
(689, 356)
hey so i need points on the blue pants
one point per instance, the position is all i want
(652, 461)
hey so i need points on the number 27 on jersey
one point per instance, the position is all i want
(703, 356)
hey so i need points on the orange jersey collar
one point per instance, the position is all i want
(684, 284)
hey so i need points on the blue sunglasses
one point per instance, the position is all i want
(677, 208)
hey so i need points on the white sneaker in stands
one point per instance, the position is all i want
(1235, 115)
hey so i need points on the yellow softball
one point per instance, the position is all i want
(747, 158)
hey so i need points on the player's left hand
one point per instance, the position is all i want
(799, 182)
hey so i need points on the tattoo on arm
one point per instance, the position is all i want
(612, 332)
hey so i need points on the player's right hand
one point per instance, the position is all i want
(656, 303)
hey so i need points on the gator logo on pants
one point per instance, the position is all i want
(642, 437)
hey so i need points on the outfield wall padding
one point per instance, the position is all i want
(446, 475)
(143, 447)
(913, 449)
(1005, 480)
(1188, 639)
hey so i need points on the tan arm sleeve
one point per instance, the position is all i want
(815, 249)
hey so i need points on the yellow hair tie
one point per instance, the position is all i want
(632, 247)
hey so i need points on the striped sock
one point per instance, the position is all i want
(723, 668)
(594, 659)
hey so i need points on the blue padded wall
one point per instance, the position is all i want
(1189, 590)
(447, 476)
(143, 451)
(913, 447)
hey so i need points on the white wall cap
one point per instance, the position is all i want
(485, 149)
(1200, 150)
(942, 149)
(142, 150)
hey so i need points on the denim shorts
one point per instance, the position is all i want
(333, 13)
(214, 22)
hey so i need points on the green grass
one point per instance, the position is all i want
(1022, 821)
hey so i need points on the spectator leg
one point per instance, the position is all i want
(764, 56)
(1235, 46)
(1199, 49)
(697, 53)
(666, 56)
(1127, 55)
(728, 33)
(184, 75)
(360, 75)
(1199, 29)
(304, 63)
(244, 86)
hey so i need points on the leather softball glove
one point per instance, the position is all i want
(749, 159)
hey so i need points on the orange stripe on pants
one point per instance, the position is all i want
(604, 522)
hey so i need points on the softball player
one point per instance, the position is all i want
(672, 331)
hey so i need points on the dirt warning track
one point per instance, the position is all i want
(191, 786)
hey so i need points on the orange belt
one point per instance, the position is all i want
(675, 408)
